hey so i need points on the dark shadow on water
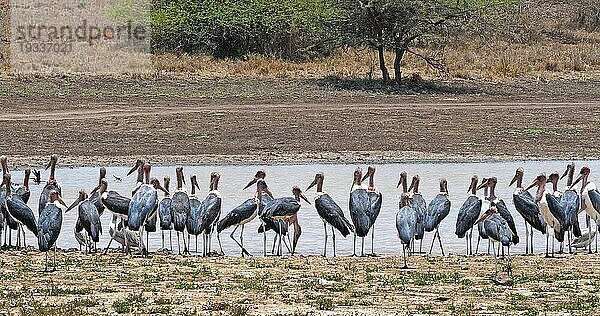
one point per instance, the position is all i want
(409, 86)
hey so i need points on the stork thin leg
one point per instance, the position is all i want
(178, 245)
(477, 246)
(219, 239)
(287, 246)
(597, 231)
(495, 259)
(280, 249)
(162, 233)
(526, 239)
(509, 266)
(237, 242)
(274, 244)
(362, 249)
(19, 238)
(372, 240)
(333, 236)
(354, 246)
(432, 242)
(547, 243)
(325, 246)
(242, 241)
(25, 240)
(46, 269)
(105, 250)
(196, 243)
(404, 255)
(297, 233)
(569, 236)
(531, 238)
(554, 237)
(186, 247)
(171, 239)
(54, 263)
(489, 242)
(470, 244)
(589, 225)
(437, 230)
(265, 238)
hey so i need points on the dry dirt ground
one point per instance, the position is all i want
(165, 284)
(109, 121)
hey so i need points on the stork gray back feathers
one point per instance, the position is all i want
(467, 215)
(48, 226)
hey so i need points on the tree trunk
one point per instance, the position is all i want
(398, 64)
(384, 71)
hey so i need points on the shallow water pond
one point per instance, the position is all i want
(338, 180)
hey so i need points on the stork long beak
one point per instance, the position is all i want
(514, 179)
(60, 200)
(482, 218)
(534, 183)
(564, 174)
(366, 175)
(304, 198)
(95, 189)
(482, 185)
(412, 184)
(312, 184)
(48, 164)
(577, 180)
(134, 168)
(269, 192)
(160, 187)
(253, 181)
(72, 205)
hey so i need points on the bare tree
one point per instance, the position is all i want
(401, 26)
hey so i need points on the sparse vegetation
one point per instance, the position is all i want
(311, 285)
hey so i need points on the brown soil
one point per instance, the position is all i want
(110, 121)
(451, 285)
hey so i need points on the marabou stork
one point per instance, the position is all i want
(590, 201)
(286, 208)
(51, 184)
(166, 214)
(359, 205)
(545, 202)
(529, 210)
(500, 208)
(437, 210)
(406, 224)
(211, 211)
(243, 214)
(19, 210)
(468, 214)
(418, 202)
(192, 224)
(143, 203)
(49, 225)
(375, 201)
(498, 231)
(88, 219)
(571, 202)
(180, 205)
(330, 212)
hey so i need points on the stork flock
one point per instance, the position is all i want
(546, 211)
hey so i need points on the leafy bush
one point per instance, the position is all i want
(291, 29)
